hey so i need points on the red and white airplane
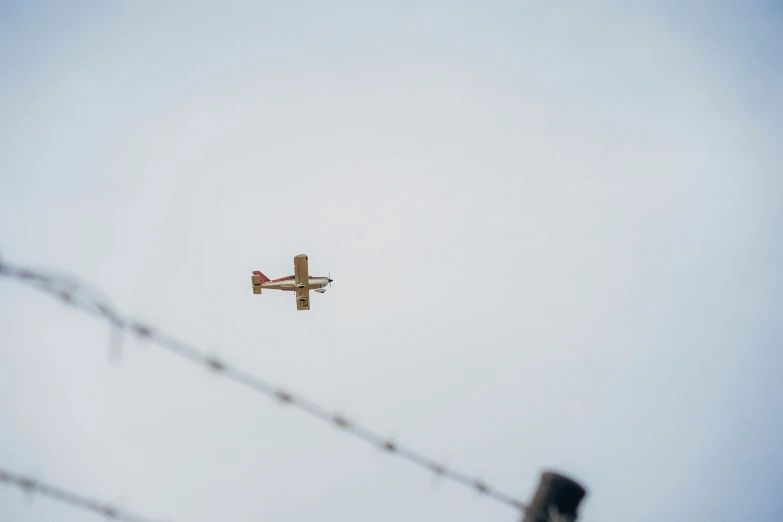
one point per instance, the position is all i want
(301, 282)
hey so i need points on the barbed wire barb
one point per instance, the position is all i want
(87, 299)
(31, 487)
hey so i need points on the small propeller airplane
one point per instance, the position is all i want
(301, 282)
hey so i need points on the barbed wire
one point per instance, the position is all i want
(82, 296)
(31, 485)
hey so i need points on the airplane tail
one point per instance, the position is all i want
(259, 278)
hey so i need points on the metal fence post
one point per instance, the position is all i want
(557, 499)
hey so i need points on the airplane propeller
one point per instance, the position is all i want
(329, 277)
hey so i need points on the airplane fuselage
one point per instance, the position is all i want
(289, 283)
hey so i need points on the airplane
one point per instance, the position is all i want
(301, 282)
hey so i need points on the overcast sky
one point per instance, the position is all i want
(554, 230)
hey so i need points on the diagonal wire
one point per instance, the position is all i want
(30, 485)
(85, 298)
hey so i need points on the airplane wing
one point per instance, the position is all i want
(300, 270)
(303, 299)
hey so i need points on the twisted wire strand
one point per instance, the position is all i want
(85, 298)
(31, 485)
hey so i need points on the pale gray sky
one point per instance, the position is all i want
(554, 230)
